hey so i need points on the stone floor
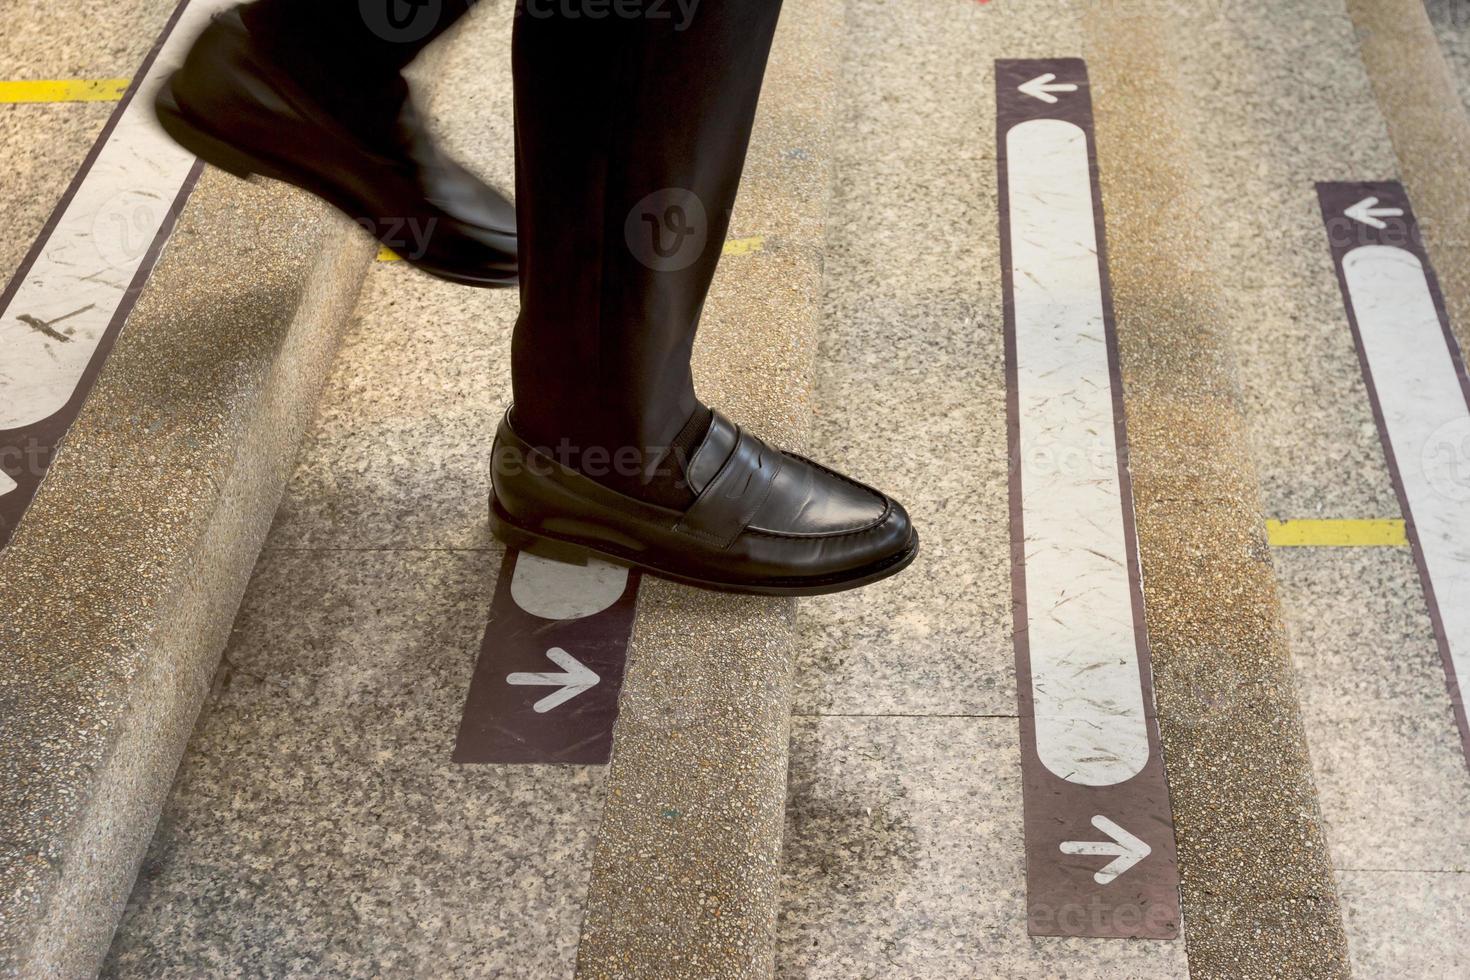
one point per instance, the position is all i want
(317, 826)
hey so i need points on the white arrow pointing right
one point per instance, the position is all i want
(1041, 87)
(1125, 849)
(6, 483)
(577, 677)
(1368, 212)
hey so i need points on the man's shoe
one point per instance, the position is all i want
(236, 107)
(763, 521)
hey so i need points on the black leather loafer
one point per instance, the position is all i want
(763, 521)
(237, 108)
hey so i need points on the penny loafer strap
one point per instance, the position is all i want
(729, 501)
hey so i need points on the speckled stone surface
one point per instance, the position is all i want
(121, 582)
(1259, 894)
(399, 454)
(80, 38)
(380, 557)
(1276, 100)
(904, 859)
(685, 879)
(905, 850)
(1390, 768)
(1421, 919)
(1287, 103)
(1430, 132)
(318, 827)
(1391, 774)
(1451, 20)
(910, 389)
(41, 147)
(937, 641)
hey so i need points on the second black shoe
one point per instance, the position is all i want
(763, 521)
(234, 105)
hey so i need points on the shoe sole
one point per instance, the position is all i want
(217, 151)
(577, 552)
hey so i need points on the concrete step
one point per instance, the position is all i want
(375, 587)
(123, 578)
(1299, 784)
(1244, 402)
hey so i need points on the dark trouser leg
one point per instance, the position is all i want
(631, 134)
(352, 51)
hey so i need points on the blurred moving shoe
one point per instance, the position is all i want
(235, 105)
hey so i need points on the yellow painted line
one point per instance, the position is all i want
(1337, 534)
(744, 246)
(64, 90)
(735, 246)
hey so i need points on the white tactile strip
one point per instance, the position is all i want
(1420, 393)
(63, 309)
(1099, 831)
(546, 684)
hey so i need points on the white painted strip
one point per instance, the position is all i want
(53, 324)
(1427, 420)
(557, 590)
(1086, 687)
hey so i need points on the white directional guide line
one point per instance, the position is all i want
(1086, 685)
(1426, 418)
(54, 322)
(575, 678)
(557, 590)
(1125, 849)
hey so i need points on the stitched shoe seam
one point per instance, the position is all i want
(873, 525)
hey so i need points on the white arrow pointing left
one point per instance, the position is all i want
(1368, 212)
(576, 678)
(1041, 87)
(1125, 849)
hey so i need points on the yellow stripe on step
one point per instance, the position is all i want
(1382, 533)
(735, 246)
(64, 90)
(744, 246)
